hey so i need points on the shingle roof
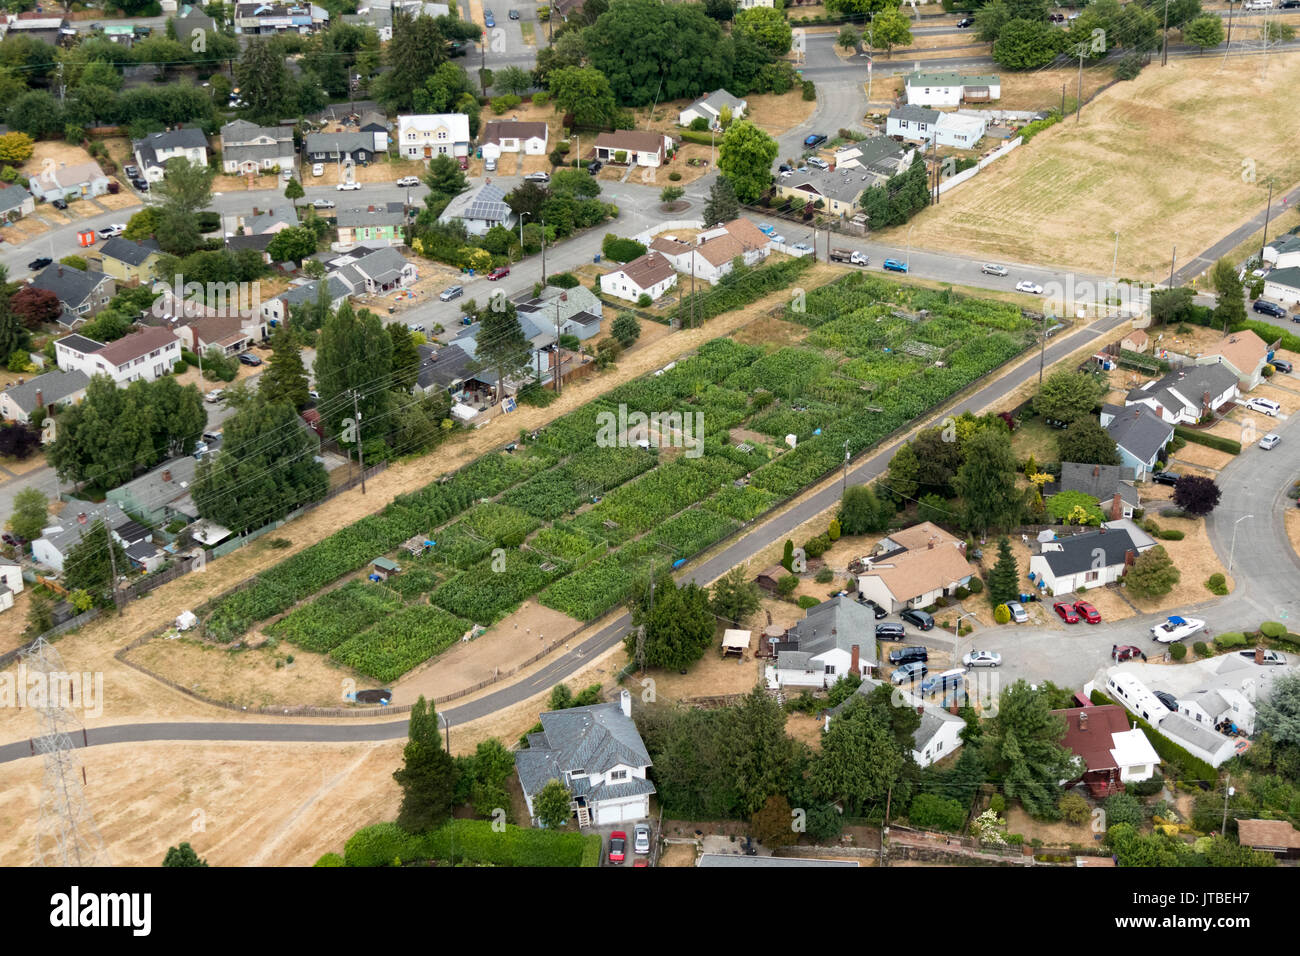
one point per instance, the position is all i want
(648, 270)
(11, 197)
(387, 261)
(917, 568)
(1268, 833)
(1289, 277)
(75, 175)
(1138, 430)
(54, 387)
(72, 285)
(915, 114)
(496, 130)
(443, 367)
(594, 739)
(1243, 350)
(70, 530)
(131, 251)
(1184, 730)
(637, 140)
(339, 142)
(1099, 481)
(135, 344)
(1076, 553)
(374, 214)
(1184, 387)
(838, 622)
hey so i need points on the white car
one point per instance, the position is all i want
(786, 173)
(409, 181)
(1024, 285)
(1265, 405)
(1176, 628)
(214, 395)
(802, 247)
(116, 229)
(1269, 441)
(318, 169)
(982, 659)
(322, 203)
(777, 237)
(1269, 657)
(1017, 612)
(342, 186)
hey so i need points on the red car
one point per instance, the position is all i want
(641, 861)
(1126, 652)
(500, 273)
(1066, 612)
(617, 846)
(1087, 612)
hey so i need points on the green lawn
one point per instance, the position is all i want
(1034, 437)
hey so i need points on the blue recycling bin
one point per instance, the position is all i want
(596, 258)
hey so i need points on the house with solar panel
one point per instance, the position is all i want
(597, 753)
(480, 209)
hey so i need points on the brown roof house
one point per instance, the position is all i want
(914, 567)
(650, 275)
(1109, 752)
(1271, 836)
(1243, 352)
(1135, 341)
(636, 147)
(512, 136)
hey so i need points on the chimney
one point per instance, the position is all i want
(855, 667)
(167, 475)
(952, 707)
(370, 209)
(920, 709)
(1116, 507)
(40, 399)
(625, 703)
(1083, 721)
(1096, 471)
(1129, 557)
(930, 545)
(1259, 653)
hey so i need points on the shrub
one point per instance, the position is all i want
(816, 547)
(1217, 584)
(1015, 839)
(380, 845)
(998, 804)
(1172, 534)
(675, 177)
(935, 812)
(824, 576)
(1178, 651)
(976, 585)
(1002, 614)
(1229, 639)
(833, 532)
(1148, 787)
(1201, 649)
(1074, 809)
(1123, 808)
(1272, 629)
(330, 859)
(806, 601)
(809, 90)
(786, 585)
(619, 249)
(644, 300)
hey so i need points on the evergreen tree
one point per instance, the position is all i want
(412, 56)
(285, 378)
(502, 348)
(678, 625)
(427, 775)
(1004, 580)
(735, 597)
(1026, 748)
(265, 83)
(723, 206)
(1231, 305)
(406, 357)
(184, 854)
(987, 482)
(901, 481)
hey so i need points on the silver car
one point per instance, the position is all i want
(992, 269)
(641, 838)
(1017, 612)
(982, 659)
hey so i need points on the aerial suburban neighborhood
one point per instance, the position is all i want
(653, 433)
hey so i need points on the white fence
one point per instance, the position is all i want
(645, 237)
(790, 250)
(966, 174)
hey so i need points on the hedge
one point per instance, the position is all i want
(1270, 333)
(1172, 535)
(1189, 767)
(693, 136)
(1272, 629)
(1229, 639)
(475, 841)
(381, 844)
(1209, 441)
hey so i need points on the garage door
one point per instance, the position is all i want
(608, 813)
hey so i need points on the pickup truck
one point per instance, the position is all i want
(849, 255)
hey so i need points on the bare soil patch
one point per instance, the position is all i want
(1057, 833)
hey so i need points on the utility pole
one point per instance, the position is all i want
(361, 453)
(1063, 100)
(1042, 352)
(112, 562)
(1078, 107)
(1115, 262)
(559, 349)
(1229, 792)
(1164, 44)
(1229, 42)
(1171, 267)
(1263, 240)
(543, 252)
(845, 486)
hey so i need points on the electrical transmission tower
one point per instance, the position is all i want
(66, 834)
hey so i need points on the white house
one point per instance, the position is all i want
(512, 136)
(709, 108)
(11, 584)
(914, 567)
(1280, 284)
(425, 135)
(950, 89)
(650, 275)
(578, 311)
(960, 130)
(938, 735)
(78, 181)
(1186, 395)
(635, 147)
(1088, 560)
(1198, 740)
(715, 250)
(65, 532)
(1283, 252)
(596, 752)
(915, 124)
(147, 353)
(1108, 752)
(480, 209)
(834, 638)
(154, 151)
(249, 148)
(20, 401)
(280, 308)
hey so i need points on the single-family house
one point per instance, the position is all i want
(1245, 353)
(1217, 707)
(265, 19)
(1186, 395)
(1198, 739)
(82, 293)
(145, 353)
(512, 136)
(65, 532)
(154, 151)
(597, 753)
(950, 89)
(835, 638)
(279, 308)
(426, 135)
(1283, 252)
(579, 311)
(1278, 837)
(11, 584)
(960, 130)
(480, 209)
(160, 495)
(636, 147)
(130, 260)
(256, 243)
(263, 220)
(1108, 752)
(648, 275)
(373, 224)
(1135, 341)
(354, 147)
(1088, 560)
(192, 19)
(249, 148)
(1283, 285)
(709, 108)
(378, 271)
(15, 202)
(937, 736)
(914, 567)
(230, 334)
(1140, 436)
(443, 369)
(78, 181)
(914, 124)
(869, 163)
(716, 250)
(20, 402)
(376, 125)
(1111, 485)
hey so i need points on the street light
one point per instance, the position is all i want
(909, 246)
(1233, 548)
(521, 227)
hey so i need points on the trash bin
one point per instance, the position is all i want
(596, 258)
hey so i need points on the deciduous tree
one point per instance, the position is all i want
(1153, 574)
(1068, 394)
(1196, 494)
(745, 157)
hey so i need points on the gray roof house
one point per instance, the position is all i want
(834, 638)
(154, 151)
(480, 209)
(1139, 434)
(264, 220)
(378, 271)
(1187, 394)
(1088, 560)
(579, 310)
(1103, 482)
(65, 532)
(596, 752)
(249, 148)
(68, 182)
(336, 147)
(443, 369)
(18, 402)
(16, 202)
(710, 108)
(161, 494)
(938, 735)
(913, 123)
(84, 293)
(278, 308)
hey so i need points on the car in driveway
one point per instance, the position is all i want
(893, 265)
(215, 395)
(918, 618)
(1269, 308)
(39, 263)
(1168, 699)
(641, 838)
(816, 162)
(500, 272)
(318, 169)
(1066, 612)
(514, 14)
(1017, 612)
(890, 631)
(594, 166)
(908, 655)
(1033, 288)
(1087, 612)
(59, 203)
(1126, 652)
(982, 659)
(785, 173)
(777, 237)
(617, 846)
(1265, 405)
(909, 673)
(538, 177)
(248, 358)
(1270, 441)
(409, 181)
(993, 269)
(1165, 477)
(814, 140)
(1282, 365)
(109, 232)
(941, 683)
(347, 187)
(1270, 656)
(1175, 628)
(132, 172)
(873, 607)
(451, 292)
(323, 203)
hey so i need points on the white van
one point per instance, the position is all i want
(1258, 5)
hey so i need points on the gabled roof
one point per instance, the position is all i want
(375, 214)
(133, 252)
(65, 531)
(925, 559)
(1289, 277)
(839, 622)
(1185, 387)
(152, 490)
(1244, 351)
(1099, 481)
(72, 285)
(933, 718)
(308, 291)
(1090, 733)
(918, 78)
(632, 140)
(1138, 430)
(457, 124)
(380, 262)
(74, 175)
(1077, 552)
(715, 101)
(648, 270)
(593, 739)
(487, 203)
(444, 367)
(12, 196)
(339, 142)
(242, 133)
(54, 387)
(915, 114)
(496, 130)
(1268, 833)
(186, 137)
(135, 344)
